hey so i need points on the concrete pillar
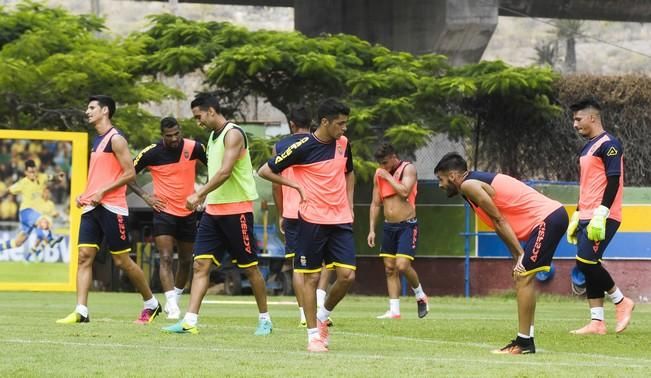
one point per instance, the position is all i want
(460, 29)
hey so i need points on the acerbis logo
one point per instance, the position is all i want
(290, 149)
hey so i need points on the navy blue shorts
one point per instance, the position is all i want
(332, 244)
(589, 251)
(181, 228)
(400, 239)
(101, 223)
(291, 235)
(219, 234)
(540, 248)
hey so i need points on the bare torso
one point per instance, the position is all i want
(397, 209)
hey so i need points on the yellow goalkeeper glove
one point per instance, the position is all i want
(597, 226)
(571, 228)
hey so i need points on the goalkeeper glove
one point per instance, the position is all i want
(571, 228)
(597, 226)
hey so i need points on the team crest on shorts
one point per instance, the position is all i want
(303, 261)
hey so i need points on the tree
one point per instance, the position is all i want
(546, 53)
(287, 68)
(52, 61)
(512, 112)
(569, 30)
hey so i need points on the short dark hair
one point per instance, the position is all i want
(300, 116)
(204, 101)
(586, 103)
(385, 149)
(168, 123)
(451, 161)
(30, 164)
(103, 101)
(330, 109)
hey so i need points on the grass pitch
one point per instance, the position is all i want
(11, 271)
(455, 339)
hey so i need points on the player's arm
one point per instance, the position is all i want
(17, 187)
(403, 187)
(271, 169)
(277, 193)
(350, 191)
(350, 179)
(199, 153)
(141, 162)
(474, 191)
(121, 152)
(611, 155)
(151, 200)
(266, 173)
(374, 212)
(233, 146)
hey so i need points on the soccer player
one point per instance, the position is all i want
(172, 163)
(43, 225)
(287, 201)
(598, 215)
(31, 189)
(322, 165)
(227, 224)
(105, 212)
(394, 188)
(517, 213)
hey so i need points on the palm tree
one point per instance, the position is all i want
(546, 53)
(569, 30)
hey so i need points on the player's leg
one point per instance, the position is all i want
(407, 242)
(624, 306)
(316, 341)
(309, 263)
(186, 234)
(182, 277)
(259, 289)
(115, 228)
(20, 239)
(209, 248)
(291, 234)
(322, 290)
(165, 247)
(200, 282)
(90, 236)
(538, 255)
(322, 286)
(85, 260)
(297, 285)
(339, 253)
(388, 250)
(338, 290)
(597, 279)
(238, 229)
(164, 231)
(393, 286)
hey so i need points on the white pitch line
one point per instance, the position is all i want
(248, 302)
(497, 361)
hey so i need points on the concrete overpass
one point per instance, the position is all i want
(459, 29)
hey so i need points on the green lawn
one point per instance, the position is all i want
(454, 340)
(33, 272)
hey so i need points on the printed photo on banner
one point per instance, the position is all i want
(40, 174)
